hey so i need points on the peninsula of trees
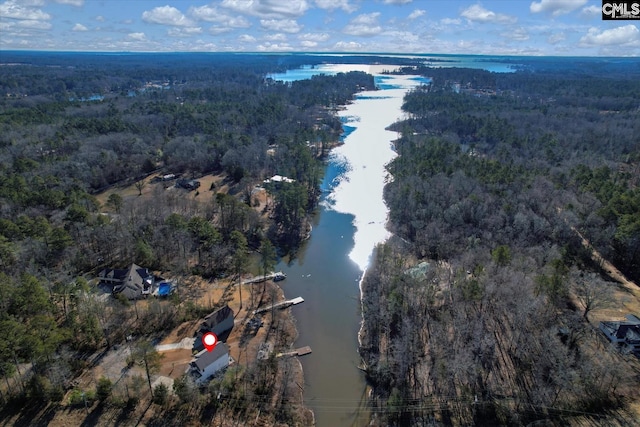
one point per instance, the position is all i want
(484, 309)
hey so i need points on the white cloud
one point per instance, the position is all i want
(397, 1)
(450, 21)
(591, 11)
(556, 7)
(211, 14)
(308, 43)
(268, 8)
(100, 18)
(166, 15)
(136, 36)
(336, 4)
(206, 13)
(184, 32)
(215, 30)
(246, 38)
(76, 3)
(403, 38)
(79, 27)
(34, 24)
(347, 46)
(518, 34)
(364, 25)
(626, 35)
(417, 14)
(278, 37)
(15, 10)
(30, 3)
(478, 13)
(314, 37)
(237, 22)
(556, 38)
(274, 47)
(18, 27)
(285, 25)
(202, 46)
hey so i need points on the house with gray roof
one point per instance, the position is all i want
(208, 363)
(624, 334)
(134, 282)
(220, 322)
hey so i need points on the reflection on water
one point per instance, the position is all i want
(328, 321)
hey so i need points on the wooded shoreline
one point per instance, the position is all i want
(501, 327)
(213, 117)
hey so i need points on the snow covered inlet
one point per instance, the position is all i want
(365, 153)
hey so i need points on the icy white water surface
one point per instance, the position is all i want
(366, 152)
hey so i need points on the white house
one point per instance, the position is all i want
(278, 178)
(208, 363)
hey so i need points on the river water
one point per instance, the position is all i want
(349, 223)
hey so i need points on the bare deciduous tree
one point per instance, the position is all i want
(140, 184)
(592, 292)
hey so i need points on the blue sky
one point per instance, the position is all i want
(510, 27)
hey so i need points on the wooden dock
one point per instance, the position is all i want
(277, 276)
(302, 351)
(281, 304)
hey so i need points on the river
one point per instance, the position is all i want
(349, 223)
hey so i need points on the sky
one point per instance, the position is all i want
(496, 27)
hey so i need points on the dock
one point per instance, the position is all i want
(276, 276)
(302, 351)
(281, 304)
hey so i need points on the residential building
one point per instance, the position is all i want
(624, 334)
(220, 322)
(208, 363)
(188, 184)
(134, 282)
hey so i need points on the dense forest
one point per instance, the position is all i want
(75, 125)
(479, 312)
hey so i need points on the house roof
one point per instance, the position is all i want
(633, 319)
(134, 272)
(112, 274)
(626, 331)
(206, 358)
(137, 273)
(279, 178)
(629, 331)
(135, 279)
(216, 317)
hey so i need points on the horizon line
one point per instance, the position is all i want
(314, 53)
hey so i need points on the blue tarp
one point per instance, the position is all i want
(164, 289)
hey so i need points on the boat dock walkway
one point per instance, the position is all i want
(297, 352)
(277, 276)
(281, 304)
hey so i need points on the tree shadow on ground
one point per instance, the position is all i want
(30, 413)
(126, 414)
(93, 417)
